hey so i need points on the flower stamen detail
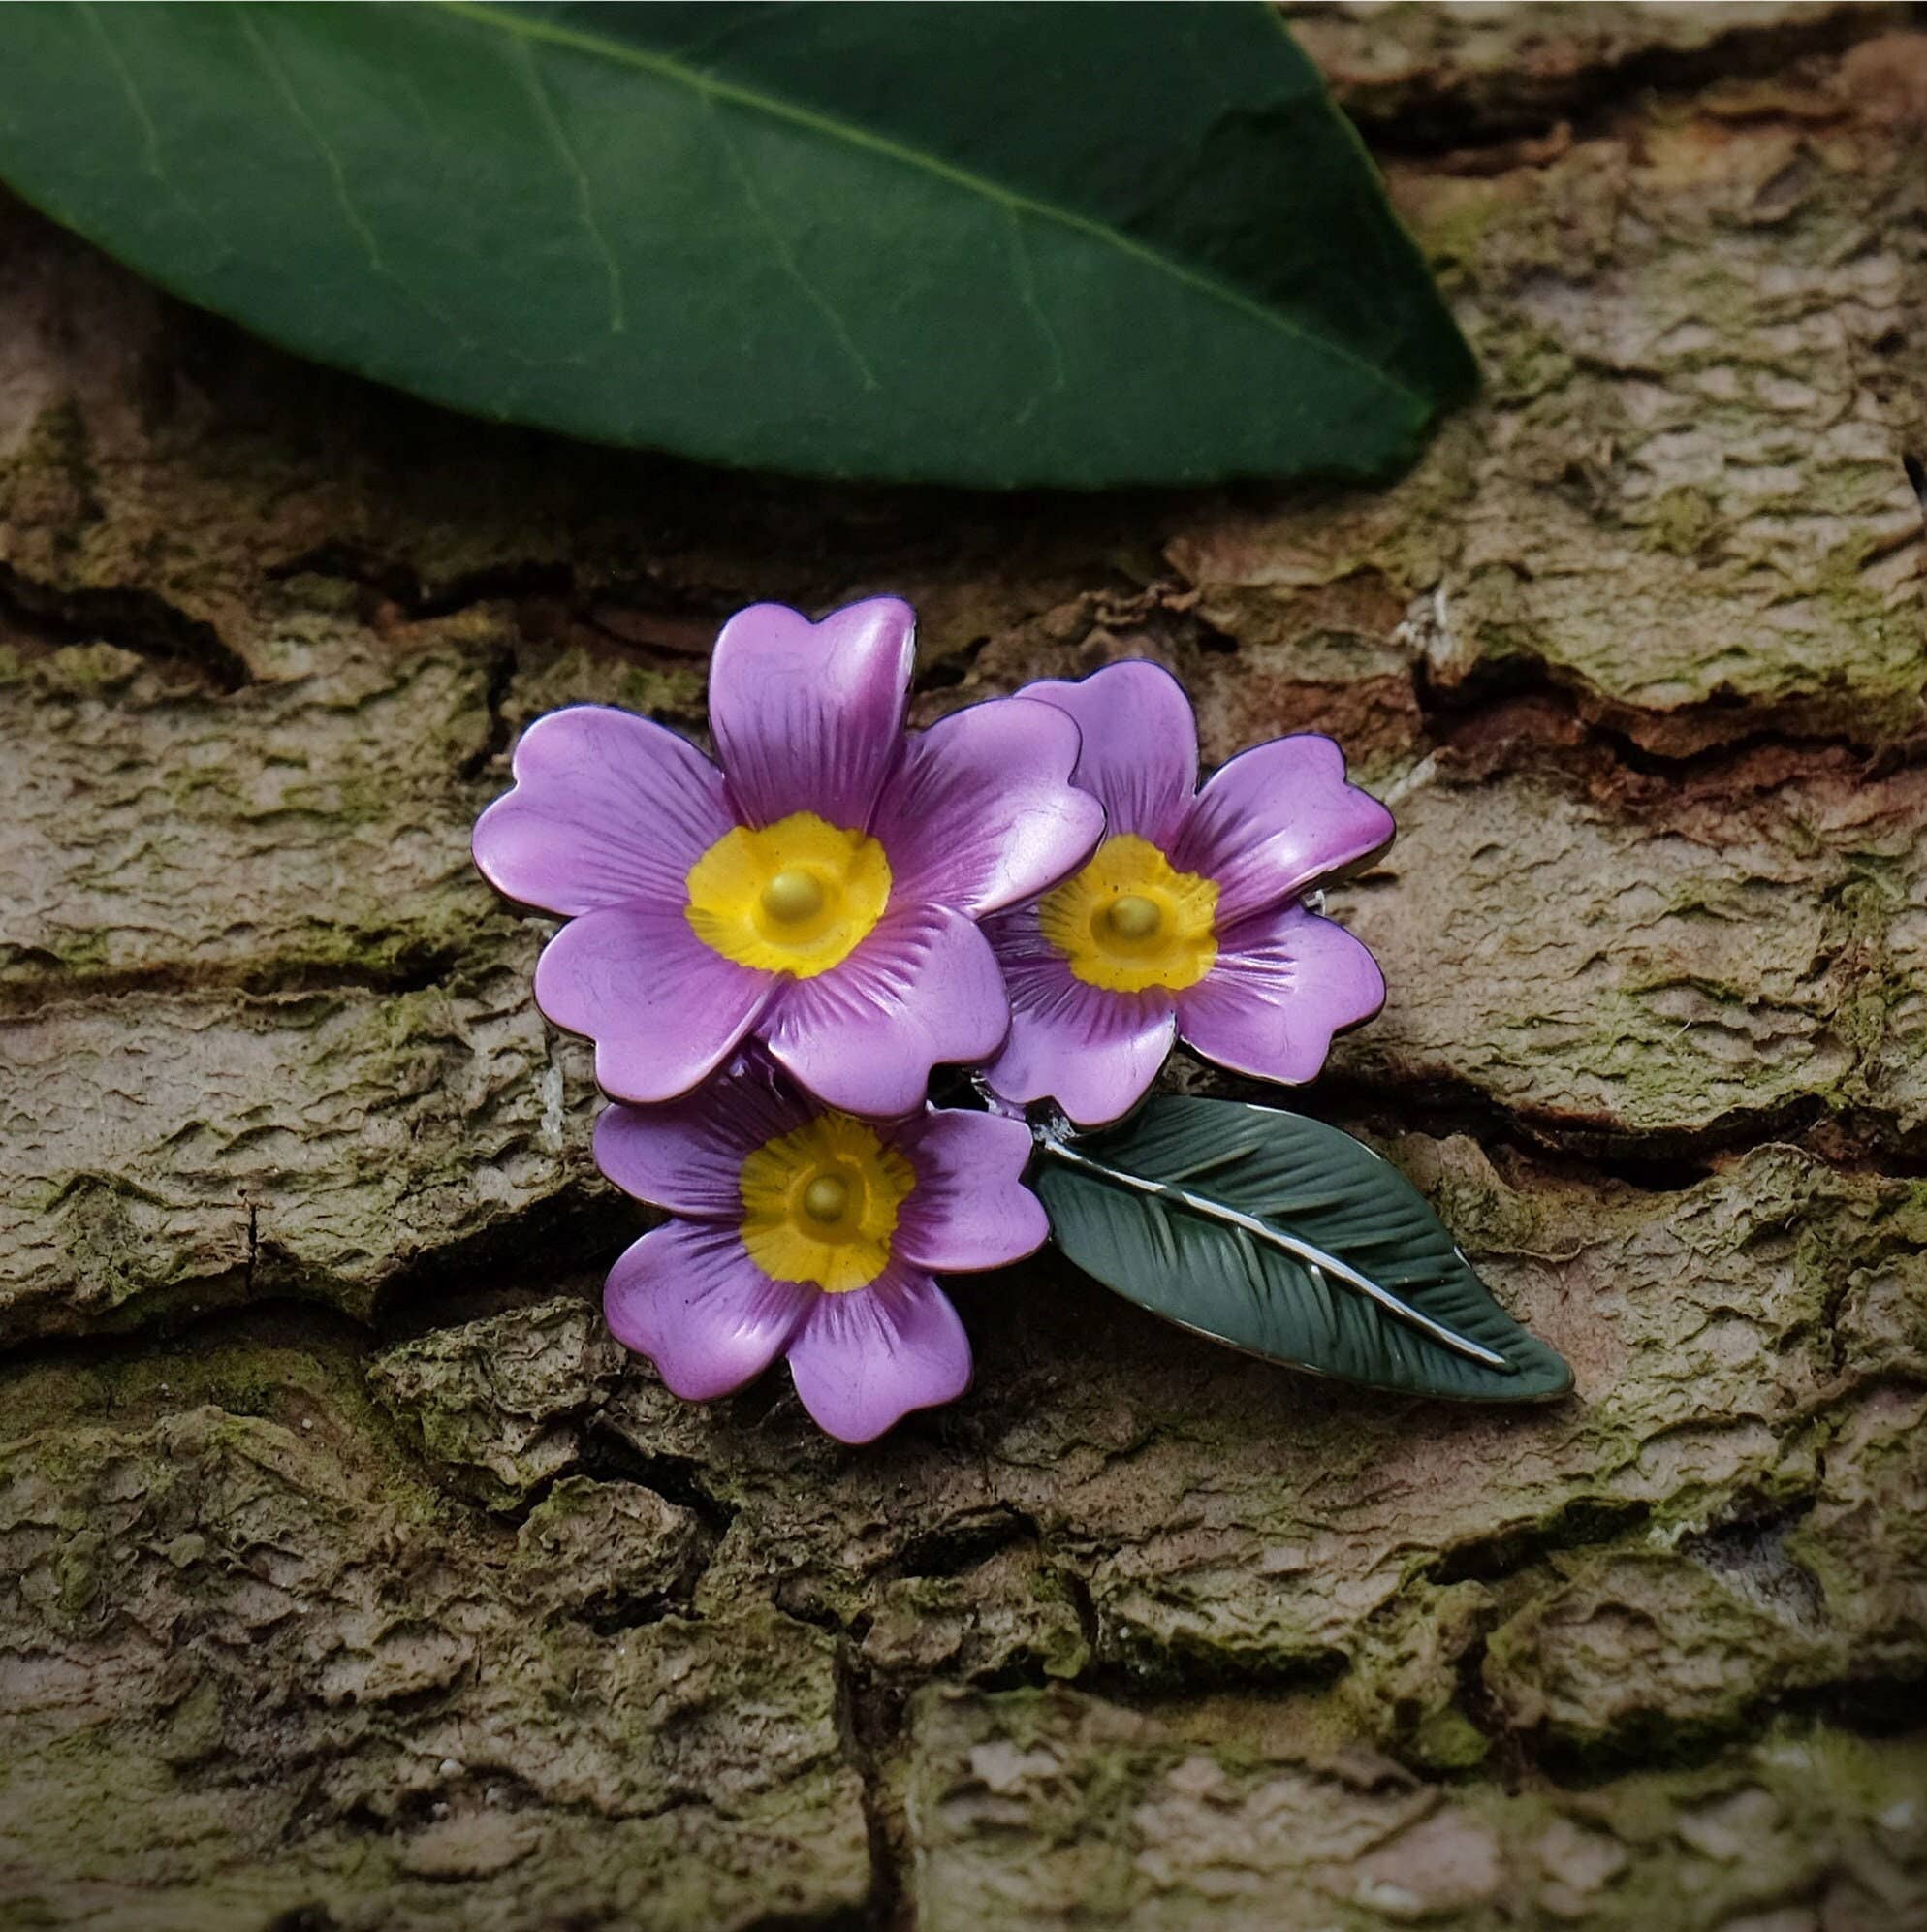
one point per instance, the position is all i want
(1134, 917)
(827, 1198)
(820, 1203)
(795, 896)
(1129, 921)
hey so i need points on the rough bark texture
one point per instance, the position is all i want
(351, 1578)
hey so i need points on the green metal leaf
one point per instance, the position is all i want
(994, 244)
(1288, 1239)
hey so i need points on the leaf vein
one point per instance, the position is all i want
(1027, 293)
(611, 268)
(150, 133)
(483, 14)
(352, 216)
(782, 251)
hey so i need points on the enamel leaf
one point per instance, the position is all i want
(1288, 1239)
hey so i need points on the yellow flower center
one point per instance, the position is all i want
(1128, 921)
(820, 1203)
(794, 897)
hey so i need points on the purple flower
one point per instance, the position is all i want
(800, 1230)
(819, 892)
(1186, 919)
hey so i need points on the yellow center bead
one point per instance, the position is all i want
(1134, 917)
(795, 896)
(820, 1203)
(1129, 921)
(826, 1199)
(792, 896)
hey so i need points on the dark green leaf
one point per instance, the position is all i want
(989, 245)
(1322, 1193)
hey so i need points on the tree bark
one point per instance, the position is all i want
(350, 1577)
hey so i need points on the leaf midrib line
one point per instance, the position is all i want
(1307, 1253)
(482, 14)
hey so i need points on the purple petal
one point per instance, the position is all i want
(809, 717)
(688, 1156)
(921, 988)
(1283, 983)
(1096, 1052)
(608, 808)
(691, 1300)
(1274, 820)
(1140, 755)
(970, 1208)
(981, 814)
(663, 1010)
(864, 1360)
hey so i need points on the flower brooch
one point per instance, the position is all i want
(775, 952)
